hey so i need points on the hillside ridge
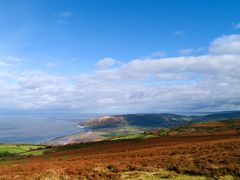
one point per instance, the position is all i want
(155, 120)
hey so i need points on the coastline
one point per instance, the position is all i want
(67, 138)
(85, 136)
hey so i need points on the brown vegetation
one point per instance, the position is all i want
(209, 155)
(200, 129)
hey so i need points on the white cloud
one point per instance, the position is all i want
(148, 68)
(188, 51)
(13, 59)
(226, 45)
(63, 17)
(5, 75)
(208, 82)
(178, 33)
(9, 61)
(51, 64)
(63, 14)
(160, 53)
(106, 63)
(3, 63)
(237, 25)
(155, 55)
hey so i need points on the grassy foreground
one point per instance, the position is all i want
(195, 152)
(164, 174)
(183, 157)
(11, 150)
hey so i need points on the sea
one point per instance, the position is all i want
(39, 128)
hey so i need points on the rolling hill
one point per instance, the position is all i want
(113, 126)
(154, 120)
(212, 151)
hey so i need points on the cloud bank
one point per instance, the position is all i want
(208, 82)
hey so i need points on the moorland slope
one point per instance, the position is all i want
(176, 156)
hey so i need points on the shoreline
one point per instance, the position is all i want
(66, 139)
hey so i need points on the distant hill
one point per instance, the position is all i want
(226, 115)
(163, 120)
(200, 128)
(153, 120)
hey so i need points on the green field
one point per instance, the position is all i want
(134, 136)
(22, 149)
(120, 132)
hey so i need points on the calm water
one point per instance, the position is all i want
(38, 127)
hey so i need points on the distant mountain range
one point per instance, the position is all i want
(164, 120)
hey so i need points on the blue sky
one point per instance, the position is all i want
(70, 39)
(120, 29)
